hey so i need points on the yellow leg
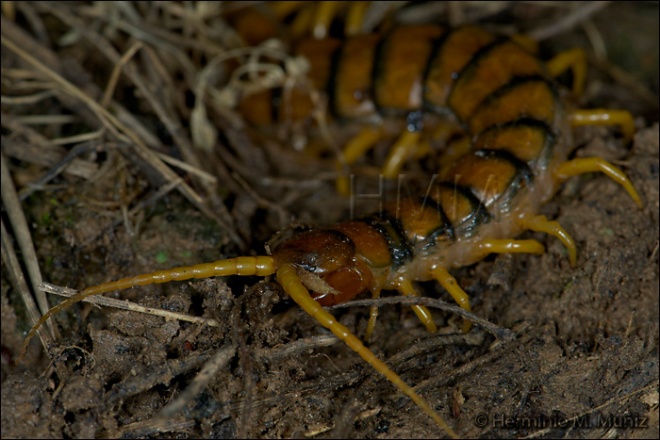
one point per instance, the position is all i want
(361, 143)
(449, 283)
(527, 42)
(576, 167)
(373, 315)
(494, 246)
(509, 246)
(284, 8)
(325, 13)
(406, 288)
(288, 279)
(575, 60)
(355, 18)
(404, 148)
(354, 149)
(541, 224)
(600, 116)
(302, 23)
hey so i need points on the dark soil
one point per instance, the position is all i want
(584, 362)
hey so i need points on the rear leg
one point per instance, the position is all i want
(485, 247)
(540, 223)
(575, 61)
(579, 166)
(621, 118)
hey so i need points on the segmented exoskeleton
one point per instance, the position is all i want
(515, 158)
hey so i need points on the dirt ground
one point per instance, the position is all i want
(583, 362)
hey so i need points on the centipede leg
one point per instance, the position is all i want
(325, 13)
(621, 118)
(493, 246)
(288, 279)
(404, 148)
(540, 223)
(449, 283)
(405, 287)
(355, 17)
(573, 59)
(283, 8)
(579, 166)
(510, 246)
(354, 149)
(373, 316)
(302, 22)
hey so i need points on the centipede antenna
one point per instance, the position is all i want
(260, 266)
(288, 279)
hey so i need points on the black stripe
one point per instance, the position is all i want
(524, 176)
(548, 133)
(525, 122)
(331, 87)
(515, 82)
(379, 57)
(436, 48)
(446, 228)
(472, 65)
(479, 213)
(519, 164)
(276, 100)
(524, 172)
(390, 229)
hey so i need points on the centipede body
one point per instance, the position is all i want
(532, 261)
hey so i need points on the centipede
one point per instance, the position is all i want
(512, 160)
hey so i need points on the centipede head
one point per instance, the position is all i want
(327, 263)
